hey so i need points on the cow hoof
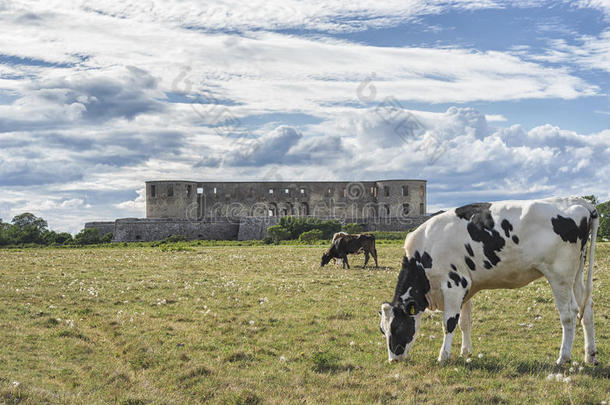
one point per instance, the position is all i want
(466, 353)
(443, 357)
(562, 362)
(591, 360)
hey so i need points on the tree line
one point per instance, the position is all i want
(28, 229)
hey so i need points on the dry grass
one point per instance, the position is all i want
(264, 325)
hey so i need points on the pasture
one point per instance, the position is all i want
(265, 324)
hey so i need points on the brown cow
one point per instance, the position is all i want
(351, 244)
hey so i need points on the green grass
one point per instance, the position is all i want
(188, 323)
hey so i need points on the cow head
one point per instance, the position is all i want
(326, 256)
(399, 324)
(401, 319)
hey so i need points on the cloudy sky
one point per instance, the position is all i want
(485, 99)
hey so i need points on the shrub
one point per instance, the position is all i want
(278, 233)
(353, 228)
(390, 235)
(604, 220)
(107, 238)
(297, 225)
(87, 236)
(175, 238)
(311, 236)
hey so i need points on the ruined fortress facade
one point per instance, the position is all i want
(244, 210)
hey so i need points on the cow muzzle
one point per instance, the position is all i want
(396, 359)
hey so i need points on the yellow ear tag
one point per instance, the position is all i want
(412, 311)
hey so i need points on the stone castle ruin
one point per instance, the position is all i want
(244, 210)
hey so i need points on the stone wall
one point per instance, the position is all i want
(103, 226)
(132, 230)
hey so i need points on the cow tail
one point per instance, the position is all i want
(589, 285)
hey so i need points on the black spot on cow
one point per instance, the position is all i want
(567, 229)
(452, 323)
(468, 211)
(426, 260)
(507, 226)
(515, 239)
(481, 229)
(455, 277)
(448, 284)
(469, 262)
(469, 249)
(453, 267)
(487, 265)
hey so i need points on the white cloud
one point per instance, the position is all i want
(137, 206)
(495, 118)
(588, 52)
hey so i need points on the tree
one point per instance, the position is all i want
(54, 238)
(603, 210)
(27, 228)
(4, 237)
(592, 198)
(88, 236)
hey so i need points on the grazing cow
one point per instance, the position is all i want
(351, 244)
(481, 246)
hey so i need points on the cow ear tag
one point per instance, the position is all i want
(412, 310)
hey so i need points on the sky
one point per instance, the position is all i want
(485, 99)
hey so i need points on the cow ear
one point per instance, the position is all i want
(387, 309)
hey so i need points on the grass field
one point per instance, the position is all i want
(139, 325)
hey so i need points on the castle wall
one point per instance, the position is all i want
(132, 230)
(198, 200)
(104, 227)
(172, 199)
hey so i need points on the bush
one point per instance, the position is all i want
(89, 236)
(389, 235)
(278, 233)
(353, 228)
(107, 238)
(175, 238)
(297, 225)
(311, 236)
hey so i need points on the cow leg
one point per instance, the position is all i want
(366, 259)
(587, 321)
(345, 262)
(568, 311)
(451, 316)
(465, 322)
(374, 253)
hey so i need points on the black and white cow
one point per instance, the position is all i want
(505, 244)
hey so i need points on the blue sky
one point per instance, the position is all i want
(485, 99)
